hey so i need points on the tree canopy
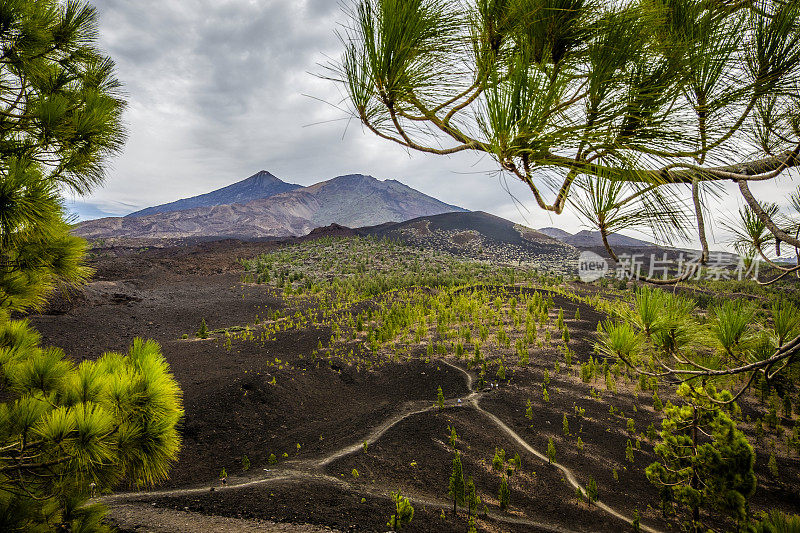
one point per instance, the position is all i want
(67, 430)
(634, 112)
(60, 120)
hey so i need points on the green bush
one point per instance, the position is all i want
(202, 333)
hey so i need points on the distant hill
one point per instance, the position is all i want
(556, 233)
(260, 185)
(354, 200)
(480, 235)
(593, 239)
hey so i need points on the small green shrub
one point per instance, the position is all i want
(202, 333)
(404, 511)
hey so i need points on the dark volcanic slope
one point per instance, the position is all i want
(352, 201)
(481, 236)
(591, 239)
(260, 185)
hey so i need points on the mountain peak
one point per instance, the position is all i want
(264, 206)
(262, 176)
(260, 185)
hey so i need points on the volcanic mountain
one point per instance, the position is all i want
(592, 239)
(260, 185)
(354, 200)
(479, 235)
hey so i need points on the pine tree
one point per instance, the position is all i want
(565, 425)
(202, 333)
(551, 451)
(629, 451)
(695, 473)
(453, 436)
(471, 498)
(657, 405)
(504, 493)
(439, 398)
(499, 460)
(61, 121)
(772, 465)
(456, 489)
(73, 428)
(592, 493)
(404, 511)
(105, 422)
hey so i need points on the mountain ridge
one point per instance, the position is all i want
(351, 200)
(479, 235)
(590, 239)
(262, 184)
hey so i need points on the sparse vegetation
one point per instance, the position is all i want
(403, 514)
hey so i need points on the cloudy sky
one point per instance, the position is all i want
(219, 89)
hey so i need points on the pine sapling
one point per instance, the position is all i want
(591, 491)
(453, 436)
(504, 494)
(202, 333)
(404, 511)
(456, 488)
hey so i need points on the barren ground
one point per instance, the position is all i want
(320, 413)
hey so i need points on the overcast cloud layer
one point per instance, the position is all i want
(219, 90)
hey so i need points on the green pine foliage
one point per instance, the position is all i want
(504, 493)
(592, 493)
(453, 437)
(657, 405)
(471, 498)
(62, 120)
(499, 460)
(202, 333)
(629, 451)
(694, 473)
(404, 511)
(456, 489)
(772, 465)
(108, 422)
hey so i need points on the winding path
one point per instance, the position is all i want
(313, 469)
